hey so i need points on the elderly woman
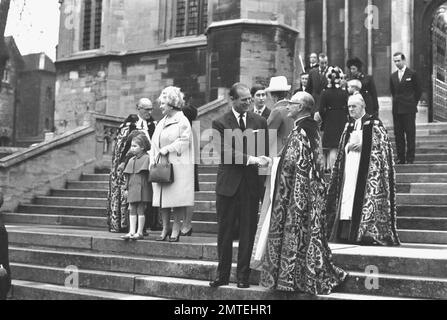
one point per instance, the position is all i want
(173, 141)
(334, 113)
(297, 255)
(361, 202)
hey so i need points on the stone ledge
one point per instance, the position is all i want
(65, 138)
(233, 22)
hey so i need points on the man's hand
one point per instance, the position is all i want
(266, 162)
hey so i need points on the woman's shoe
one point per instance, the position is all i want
(127, 236)
(160, 238)
(174, 239)
(137, 236)
(187, 234)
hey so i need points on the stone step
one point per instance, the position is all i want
(421, 150)
(422, 223)
(95, 177)
(62, 210)
(411, 259)
(396, 285)
(49, 219)
(430, 126)
(207, 186)
(71, 201)
(205, 177)
(28, 290)
(76, 193)
(193, 271)
(421, 168)
(421, 178)
(422, 133)
(433, 157)
(426, 144)
(426, 138)
(417, 198)
(205, 196)
(423, 236)
(422, 211)
(88, 185)
(421, 188)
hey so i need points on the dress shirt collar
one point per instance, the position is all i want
(237, 115)
(260, 111)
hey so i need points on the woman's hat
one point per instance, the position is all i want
(278, 84)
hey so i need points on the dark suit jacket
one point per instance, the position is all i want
(317, 83)
(266, 113)
(308, 67)
(300, 89)
(229, 176)
(5, 284)
(407, 93)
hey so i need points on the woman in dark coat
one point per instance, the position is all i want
(5, 271)
(190, 113)
(368, 90)
(334, 114)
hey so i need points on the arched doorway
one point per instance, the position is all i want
(439, 74)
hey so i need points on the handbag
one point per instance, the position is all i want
(161, 172)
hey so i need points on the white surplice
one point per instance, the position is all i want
(352, 163)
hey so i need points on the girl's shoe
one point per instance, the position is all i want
(137, 236)
(127, 236)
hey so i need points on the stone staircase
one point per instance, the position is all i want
(67, 228)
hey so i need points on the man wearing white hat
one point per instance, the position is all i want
(278, 120)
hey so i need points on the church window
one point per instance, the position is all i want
(92, 17)
(191, 17)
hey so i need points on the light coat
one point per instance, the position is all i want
(175, 134)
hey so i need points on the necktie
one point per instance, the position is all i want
(241, 122)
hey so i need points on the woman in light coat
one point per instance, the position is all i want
(173, 140)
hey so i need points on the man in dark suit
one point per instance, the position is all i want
(406, 91)
(259, 96)
(303, 84)
(313, 62)
(5, 271)
(317, 79)
(237, 186)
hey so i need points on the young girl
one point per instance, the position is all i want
(138, 186)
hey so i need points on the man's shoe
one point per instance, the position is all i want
(410, 161)
(218, 282)
(243, 285)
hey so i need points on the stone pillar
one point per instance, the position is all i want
(401, 29)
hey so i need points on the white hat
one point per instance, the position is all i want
(278, 84)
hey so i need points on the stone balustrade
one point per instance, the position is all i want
(48, 165)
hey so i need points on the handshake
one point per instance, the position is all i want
(261, 162)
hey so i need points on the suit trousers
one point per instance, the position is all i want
(405, 135)
(243, 206)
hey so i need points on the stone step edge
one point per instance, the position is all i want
(177, 281)
(31, 285)
(387, 276)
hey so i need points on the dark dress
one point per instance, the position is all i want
(5, 280)
(334, 113)
(137, 171)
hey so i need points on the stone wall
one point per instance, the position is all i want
(36, 170)
(113, 84)
(267, 51)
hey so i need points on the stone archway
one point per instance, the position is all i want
(423, 49)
